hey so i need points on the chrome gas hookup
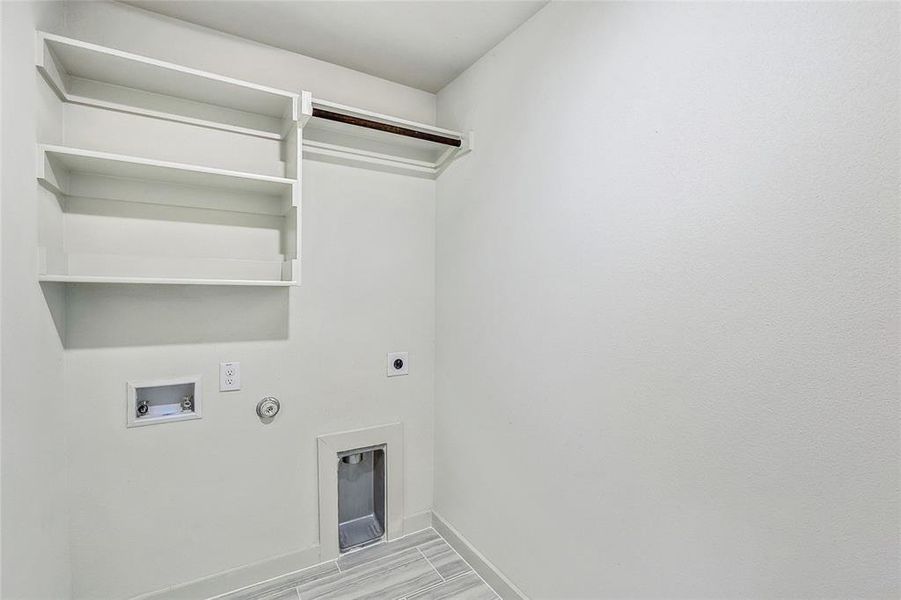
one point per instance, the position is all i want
(268, 407)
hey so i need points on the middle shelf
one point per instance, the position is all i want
(134, 220)
(67, 171)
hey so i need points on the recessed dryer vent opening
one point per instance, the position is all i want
(361, 488)
(361, 497)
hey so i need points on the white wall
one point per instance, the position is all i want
(165, 504)
(169, 503)
(668, 302)
(35, 558)
(142, 32)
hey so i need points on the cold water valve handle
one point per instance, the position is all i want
(268, 407)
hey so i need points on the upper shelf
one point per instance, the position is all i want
(165, 281)
(85, 73)
(349, 135)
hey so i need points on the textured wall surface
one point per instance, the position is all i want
(668, 302)
(34, 539)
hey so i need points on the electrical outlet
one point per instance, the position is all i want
(229, 376)
(398, 364)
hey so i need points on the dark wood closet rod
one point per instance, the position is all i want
(359, 122)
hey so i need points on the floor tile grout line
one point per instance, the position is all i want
(455, 553)
(427, 588)
(378, 573)
(459, 575)
(249, 588)
(448, 579)
(434, 568)
(382, 544)
(438, 585)
(369, 562)
(496, 595)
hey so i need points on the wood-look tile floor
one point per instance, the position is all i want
(420, 566)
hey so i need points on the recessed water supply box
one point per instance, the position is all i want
(163, 401)
(361, 497)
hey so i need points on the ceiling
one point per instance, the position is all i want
(422, 44)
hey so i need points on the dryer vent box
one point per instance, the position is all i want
(361, 497)
(163, 401)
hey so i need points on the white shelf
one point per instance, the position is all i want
(163, 281)
(85, 73)
(125, 219)
(386, 119)
(343, 143)
(77, 175)
(65, 267)
(57, 166)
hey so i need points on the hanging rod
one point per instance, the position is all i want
(370, 124)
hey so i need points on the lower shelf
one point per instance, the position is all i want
(63, 267)
(163, 280)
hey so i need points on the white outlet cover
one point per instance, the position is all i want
(404, 369)
(229, 376)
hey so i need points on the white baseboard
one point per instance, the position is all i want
(417, 522)
(221, 583)
(505, 588)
